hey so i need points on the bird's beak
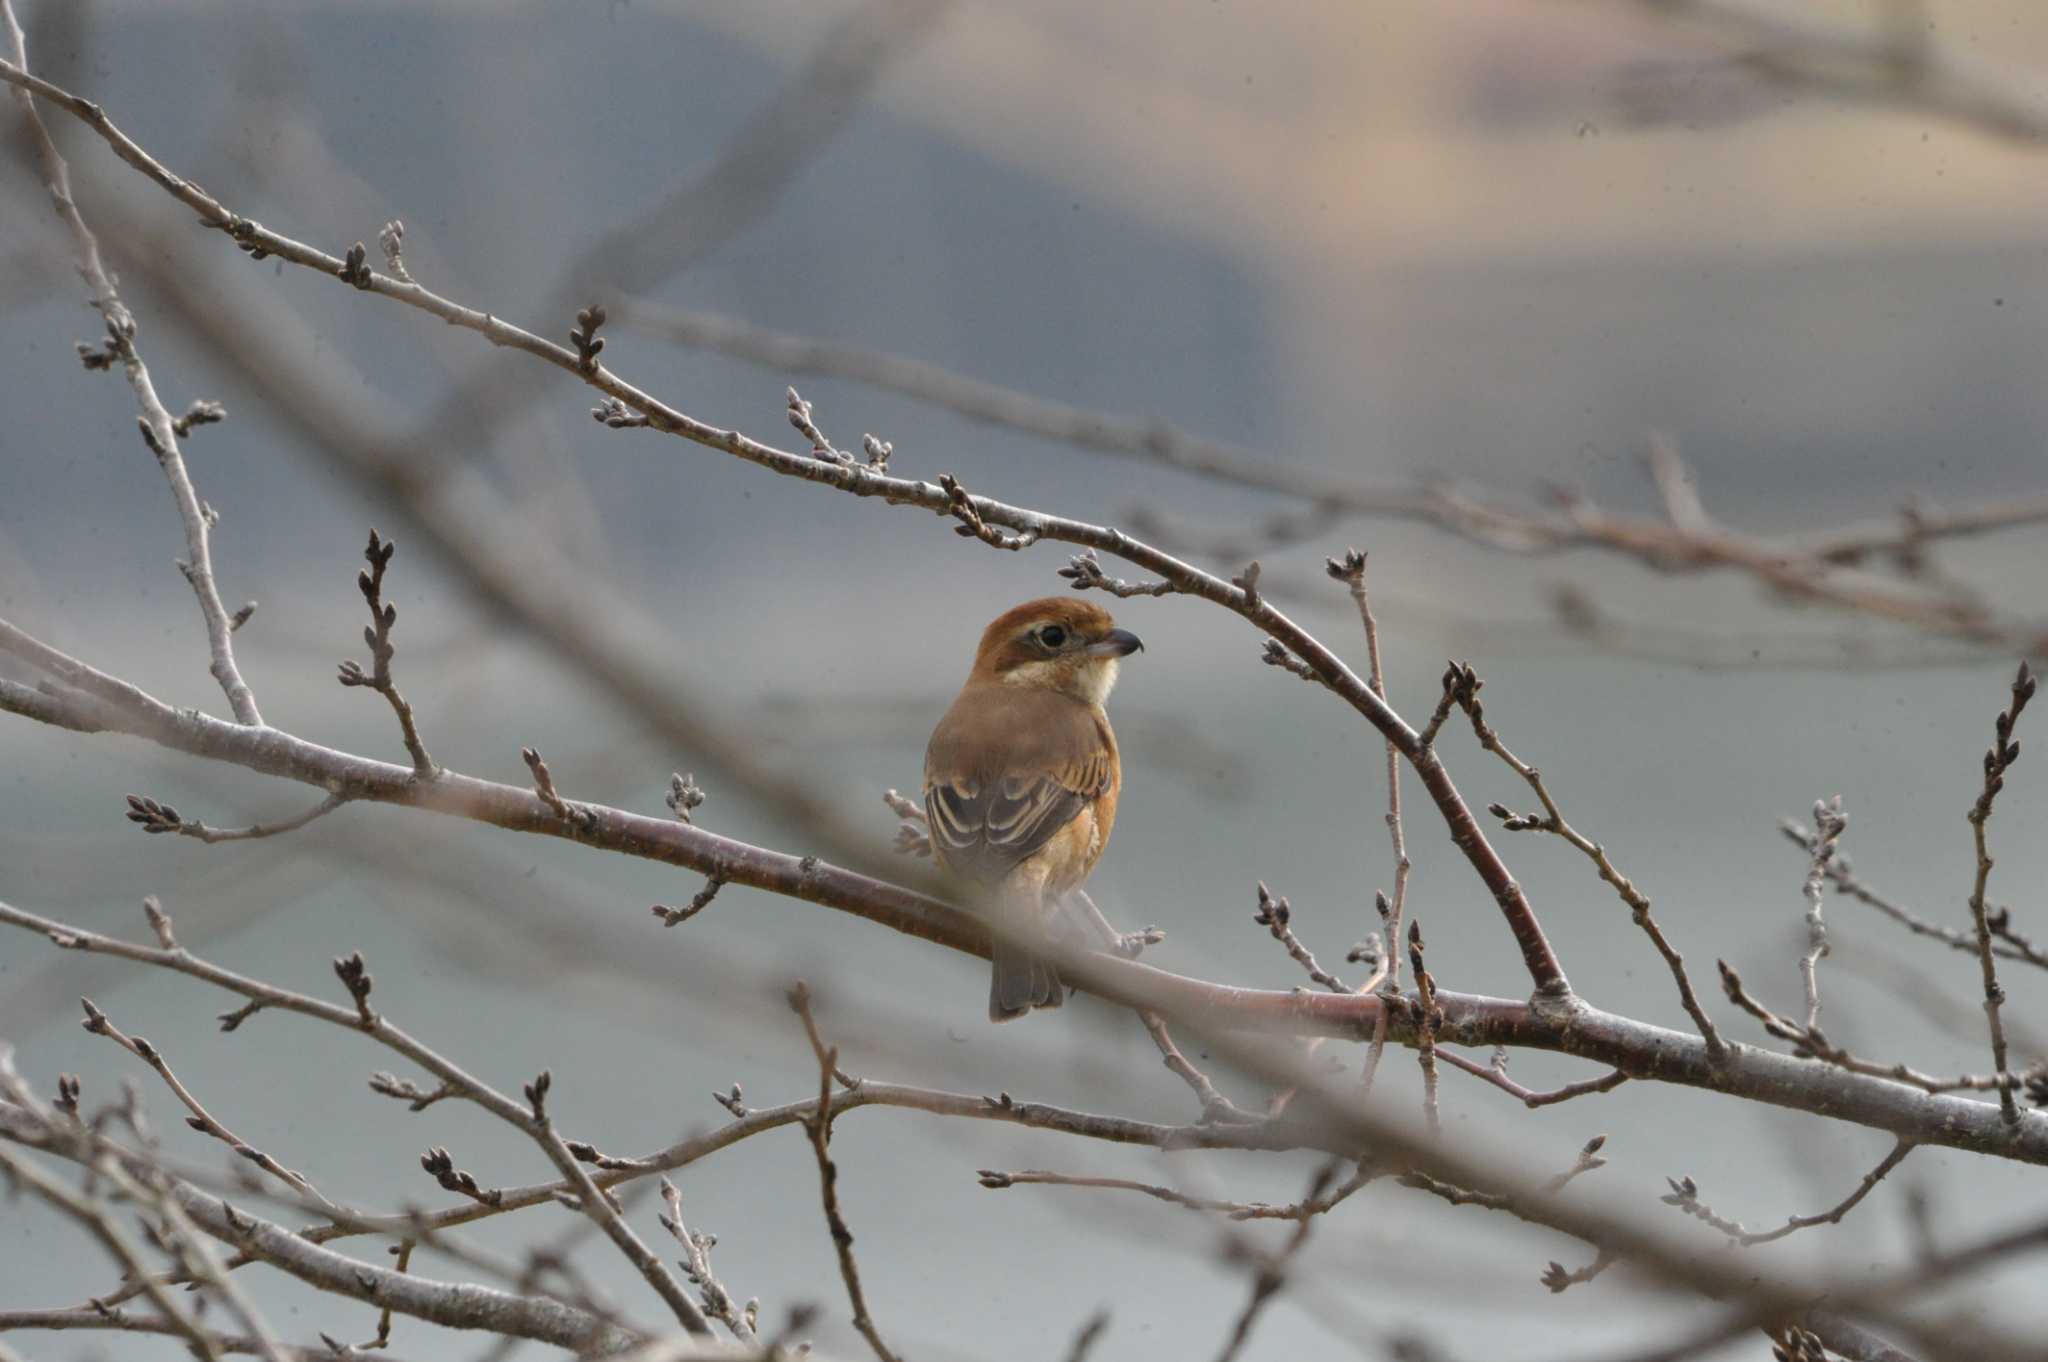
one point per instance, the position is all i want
(1116, 643)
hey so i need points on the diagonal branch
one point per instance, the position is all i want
(160, 430)
(1638, 1047)
(1462, 686)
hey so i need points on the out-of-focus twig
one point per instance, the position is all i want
(1898, 63)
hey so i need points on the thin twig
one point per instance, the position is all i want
(1830, 821)
(2004, 751)
(819, 1127)
(160, 430)
(155, 817)
(1512, 530)
(1431, 1018)
(1462, 685)
(1815, 1044)
(377, 634)
(111, 1320)
(1084, 570)
(1383, 969)
(2010, 945)
(1588, 1160)
(1350, 570)
(1496, 1073)
(1087, 1336)
(1215, 1106)
(1124, 945)
(697, 904)
(201, 1120)
(101, 1223)
(1234, 1210)
(1684, 1195)
(696, 1265)
(1275, 915)
(1270, 1273)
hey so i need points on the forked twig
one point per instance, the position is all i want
(819, 1127)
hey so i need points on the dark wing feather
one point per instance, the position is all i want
(1004, 775)
(984, 829)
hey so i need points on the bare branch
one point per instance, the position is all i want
(1684, 1195)
(101, 1223)
(1462, 685)
(1515, 530)
(2004, 751)
(1588, 1160)
(1269, 1274)
(1314, 1205)
(1829, 819)
(1468, 1020)
(1815, 1043)
(697, 904)
(819, 1126)
(201, 1119)
(1084, 570)
(1275, 915)
(160, 431)
(1496, 1073)
(696, 1265)
(155, 817)
(378, 636)
(1350, 570)
(2009, 946)
(1430, 1020)
(981, 517)
(1215, 1106)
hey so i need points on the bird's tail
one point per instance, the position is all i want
(1020, 981)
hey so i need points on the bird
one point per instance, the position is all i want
(1021, 780)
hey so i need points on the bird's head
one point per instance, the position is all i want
(1060, 644)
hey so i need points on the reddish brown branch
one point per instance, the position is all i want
(1496, 1073)
(1643, 1050)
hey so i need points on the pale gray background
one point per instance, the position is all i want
(1365, 242)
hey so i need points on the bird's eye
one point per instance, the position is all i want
(1052, 636)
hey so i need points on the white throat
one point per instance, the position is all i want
(1090, 684)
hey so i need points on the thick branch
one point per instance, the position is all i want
(1636, 1048)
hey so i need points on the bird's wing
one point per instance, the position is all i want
(1000, 783)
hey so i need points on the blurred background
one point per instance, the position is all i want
(1497, 243)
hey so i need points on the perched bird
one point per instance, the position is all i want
(1021, 779)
